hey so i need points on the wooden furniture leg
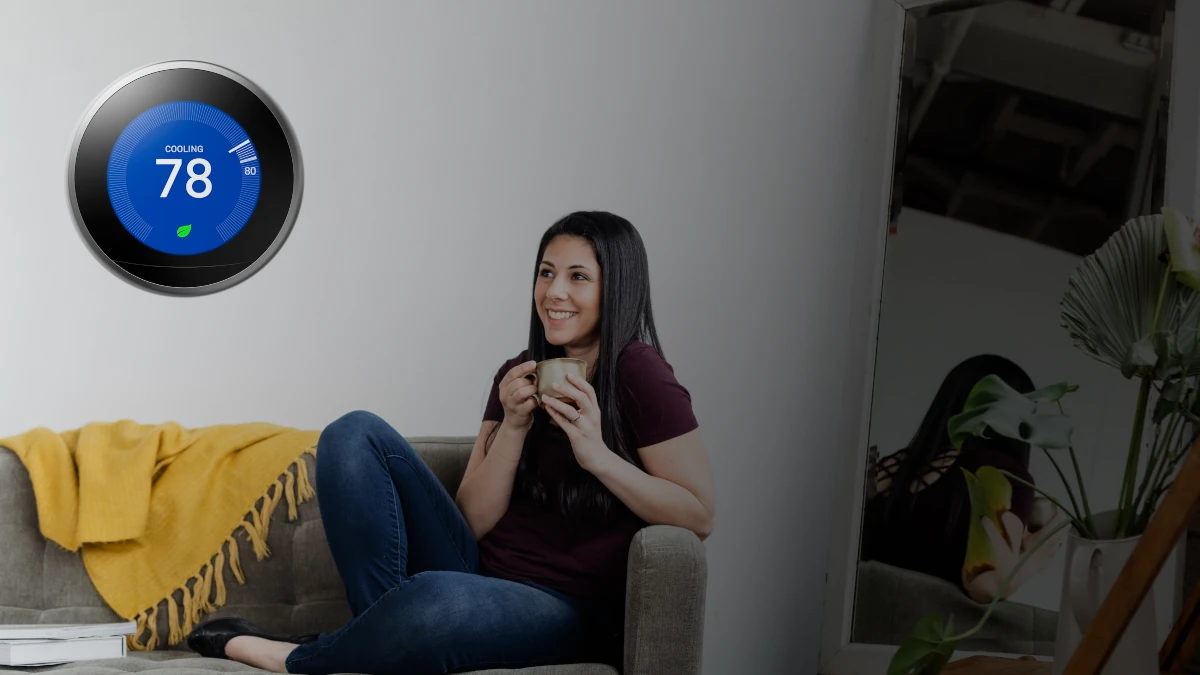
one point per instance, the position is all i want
(1163, 531)
(1180, 645)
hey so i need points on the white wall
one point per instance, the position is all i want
(953, 290)
(439, 142)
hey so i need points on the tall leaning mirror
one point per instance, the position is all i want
(1023, 134)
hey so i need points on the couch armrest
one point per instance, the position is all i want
(664, 602)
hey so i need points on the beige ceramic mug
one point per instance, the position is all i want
(554, 371)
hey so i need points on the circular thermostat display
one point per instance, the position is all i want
(185, 178)
(164, 167)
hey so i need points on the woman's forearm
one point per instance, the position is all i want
(483, 496)
(655, 500)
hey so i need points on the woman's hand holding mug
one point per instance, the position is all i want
(581, 421)
(519, 396)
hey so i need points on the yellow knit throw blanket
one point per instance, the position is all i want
(152, 507)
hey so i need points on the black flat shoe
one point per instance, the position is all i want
(209, 638)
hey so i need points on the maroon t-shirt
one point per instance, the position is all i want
(538, 544)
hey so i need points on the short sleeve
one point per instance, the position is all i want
(657, 407)
(494, 410)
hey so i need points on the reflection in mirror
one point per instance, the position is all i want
(1028, 132)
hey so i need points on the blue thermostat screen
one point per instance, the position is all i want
(183, 178)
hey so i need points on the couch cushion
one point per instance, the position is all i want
(294, 590)
(186, 663)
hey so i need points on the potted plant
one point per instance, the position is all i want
(1133, 305)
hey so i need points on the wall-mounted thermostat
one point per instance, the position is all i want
(185, 178)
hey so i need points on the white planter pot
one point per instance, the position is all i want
(1090, 570)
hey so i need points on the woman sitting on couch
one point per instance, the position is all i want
(527, 566)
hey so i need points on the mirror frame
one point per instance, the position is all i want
(838, 655)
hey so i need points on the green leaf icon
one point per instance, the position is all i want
(184, 231)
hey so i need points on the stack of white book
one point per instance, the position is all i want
(48, 644)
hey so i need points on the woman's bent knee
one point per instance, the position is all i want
(358, 437)
(351, 440)
(356, 423)
(353, 429)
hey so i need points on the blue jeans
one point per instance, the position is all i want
(410, 565)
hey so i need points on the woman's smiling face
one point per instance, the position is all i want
(567, 294)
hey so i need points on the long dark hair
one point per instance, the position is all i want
(625, 316)
(933, 438)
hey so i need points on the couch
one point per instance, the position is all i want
(889, 601)
(297, 589)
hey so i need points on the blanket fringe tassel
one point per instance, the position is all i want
(199, 598)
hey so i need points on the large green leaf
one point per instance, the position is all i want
(991, 495)
(1051, 394)
(926, 650)
(1108, 308)
(992, 405)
